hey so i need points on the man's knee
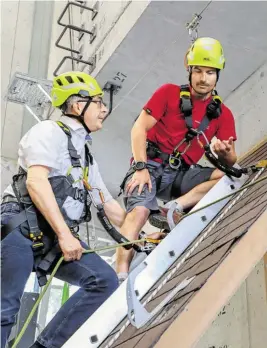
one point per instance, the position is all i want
(104, 278)
(109, 280)
(9, 317)
(216, 174)
(139, 212)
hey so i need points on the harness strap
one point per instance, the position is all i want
(49, 258)
(213, 110)
(76, 193)
(40, 274)
(29, 211)
(74, 157)
(186, 104)
(73, 192)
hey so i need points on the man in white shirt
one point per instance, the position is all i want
(46, 203)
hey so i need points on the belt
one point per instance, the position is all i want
(9, 199)
(154, 153)
(166, 157)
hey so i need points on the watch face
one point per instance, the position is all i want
(140, 165)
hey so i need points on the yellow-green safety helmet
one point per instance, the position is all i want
(73, 83)
(207, 52)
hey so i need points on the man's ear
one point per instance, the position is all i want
(76, 108)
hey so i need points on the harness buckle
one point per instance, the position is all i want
(174, 162)
(191, 134)
(37, 246)
(80, 195)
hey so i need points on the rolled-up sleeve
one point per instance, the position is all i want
(42, 145)
(95, 180)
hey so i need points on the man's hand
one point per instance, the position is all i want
(70, 247)
(222, 148)
(43, 197)
(225, 149)
(140, 178)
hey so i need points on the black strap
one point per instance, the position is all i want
(49, 258)
(186, 104)
(230, 171)
(88, 156)
(75, 193)
(88, 161)
(186, 107)
(119, 238)
(19, 188)
(40, 274)
(31, 215)
(74, 157)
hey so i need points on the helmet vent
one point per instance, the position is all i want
(69, 79)
(80, 79)
(59, 82)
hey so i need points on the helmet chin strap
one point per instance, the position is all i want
(80, 117)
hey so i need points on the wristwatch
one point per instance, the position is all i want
(139, 165)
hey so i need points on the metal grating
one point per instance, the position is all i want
(31, 92)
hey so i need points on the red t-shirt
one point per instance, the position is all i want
(171, 127)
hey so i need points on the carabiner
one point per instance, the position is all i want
(174, 162)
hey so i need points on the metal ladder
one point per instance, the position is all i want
(126, 299)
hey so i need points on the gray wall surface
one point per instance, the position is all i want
(241, 323)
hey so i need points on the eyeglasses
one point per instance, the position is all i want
(101, 102)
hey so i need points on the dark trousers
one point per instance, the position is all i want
(96, 279)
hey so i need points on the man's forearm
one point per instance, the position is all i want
(43, 197)
(230, 158)
(115, 212)
(138, 136)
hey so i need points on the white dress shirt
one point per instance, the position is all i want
(46, 144)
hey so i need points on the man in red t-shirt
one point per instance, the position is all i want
(162, 125)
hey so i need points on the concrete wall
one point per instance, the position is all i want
(241, 323)
(25, 41)
(111, 24)
(248, 104)
(16, 26)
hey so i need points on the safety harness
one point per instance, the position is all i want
(37, 229)
(175, 159)
(33, 225)
(213, 111)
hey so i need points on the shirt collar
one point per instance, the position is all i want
(72, 123)
(76, 127)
